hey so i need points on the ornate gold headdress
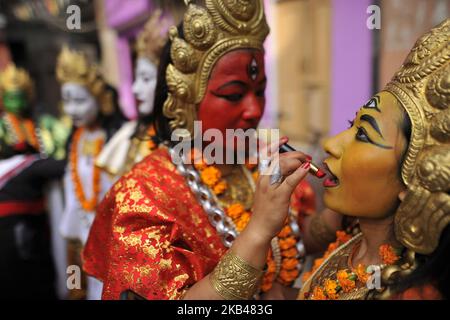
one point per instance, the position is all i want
(74, 66)
(150, 41)
(423, 88)
(16, 79)
(210, 32)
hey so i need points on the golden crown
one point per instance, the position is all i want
(150, 41)
(74, 66)
(210, 32)
(423, 88)
(16, 79)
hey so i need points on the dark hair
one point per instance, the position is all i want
(406, 128)
(432, 268)
(112, 122)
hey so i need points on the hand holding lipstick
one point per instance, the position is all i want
(272, 200)
(313, 169)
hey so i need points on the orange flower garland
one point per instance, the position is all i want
(151, 133)
(31, 134)
(86, 204)
(212, 177)
(341, 238)
(27, 134)
(388, 254)
(346, 280)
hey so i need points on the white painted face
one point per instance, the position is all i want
(79, 104)
(144, 85)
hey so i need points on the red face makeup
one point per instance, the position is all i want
(234, 98)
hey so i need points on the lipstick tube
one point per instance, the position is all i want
(313, 169)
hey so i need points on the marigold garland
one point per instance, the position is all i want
(212, 177)
(388, 254)
(151, 133)
(341, 238)
(347, 280)
(86, 204)
(27, 134)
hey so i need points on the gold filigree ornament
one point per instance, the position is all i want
(74, 67)
(150, 40)
(16, 79)
(422, 86)
(210, 32)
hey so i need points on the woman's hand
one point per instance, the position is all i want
(270, 209)
(272, 196)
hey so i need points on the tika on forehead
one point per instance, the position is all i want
(253, 69)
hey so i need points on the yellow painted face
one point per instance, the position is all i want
(364, 161)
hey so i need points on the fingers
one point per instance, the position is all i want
(292, 181)
(267, 151)
(289, 165)
(281, 167)
(296, 155)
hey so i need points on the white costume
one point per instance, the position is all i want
(76, 222)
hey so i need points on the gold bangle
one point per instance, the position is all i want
(234, 279)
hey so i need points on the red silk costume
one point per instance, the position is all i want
(150, 235)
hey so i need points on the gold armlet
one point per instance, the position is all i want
(235, 279)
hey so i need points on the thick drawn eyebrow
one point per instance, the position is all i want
(371, 120)
(376, 99)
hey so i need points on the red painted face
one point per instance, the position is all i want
(234, 98)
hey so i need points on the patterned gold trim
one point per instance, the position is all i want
(422, 86)
(235, 279)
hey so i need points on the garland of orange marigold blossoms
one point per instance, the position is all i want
(348, 280)
(26, 135)
(341, 238)
(151, 133)
(212, 177)
(86, 204)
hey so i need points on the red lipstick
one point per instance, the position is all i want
(313, 169)
(331, 181)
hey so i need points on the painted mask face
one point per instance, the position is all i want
(144, 85)
(364, 161)
(15, 101)
(234, 98)
(79, 104)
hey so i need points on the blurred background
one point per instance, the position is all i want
(323, 62)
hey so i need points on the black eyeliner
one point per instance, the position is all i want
(370, 140)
